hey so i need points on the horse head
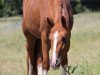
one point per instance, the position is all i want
(58, 39)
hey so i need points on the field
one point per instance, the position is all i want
(84, 54)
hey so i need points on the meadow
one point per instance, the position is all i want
(84, 54)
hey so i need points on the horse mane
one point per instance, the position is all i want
(58, 9)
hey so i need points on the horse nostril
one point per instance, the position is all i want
(57, 63)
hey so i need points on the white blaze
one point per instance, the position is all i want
(56, 34)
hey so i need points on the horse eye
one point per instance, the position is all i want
(64, 39)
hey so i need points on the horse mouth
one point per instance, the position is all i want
(55, 67)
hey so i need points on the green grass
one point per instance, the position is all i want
(85, 44)
(84, 54)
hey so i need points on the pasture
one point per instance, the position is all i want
(84, 54)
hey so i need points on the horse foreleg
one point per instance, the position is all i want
(40, 70)
(29, 66)
(39, 58)
(31, 62)
(45, 72)
(45, 50)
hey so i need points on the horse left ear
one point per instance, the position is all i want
(50, 22)
(63, 20)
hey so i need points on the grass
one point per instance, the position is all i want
(84, 54)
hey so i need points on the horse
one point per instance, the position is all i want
(47, 25)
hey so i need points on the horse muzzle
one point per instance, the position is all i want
(55, 64)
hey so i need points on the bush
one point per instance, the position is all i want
(79, 8)
(1, 7)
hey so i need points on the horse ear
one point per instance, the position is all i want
(63, 20)
(50, 22)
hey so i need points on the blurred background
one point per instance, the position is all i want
(84, 54)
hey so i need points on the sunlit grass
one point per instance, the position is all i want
(84, 53)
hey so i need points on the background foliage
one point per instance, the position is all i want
(14, 7)
(10, 7)
(85, 5)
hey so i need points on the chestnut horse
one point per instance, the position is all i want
(47, 25)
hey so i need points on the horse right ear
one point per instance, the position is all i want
(50, 22)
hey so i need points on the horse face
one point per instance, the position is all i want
(58, 40)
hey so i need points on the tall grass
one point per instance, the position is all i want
(12, 48)
(84, 55)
